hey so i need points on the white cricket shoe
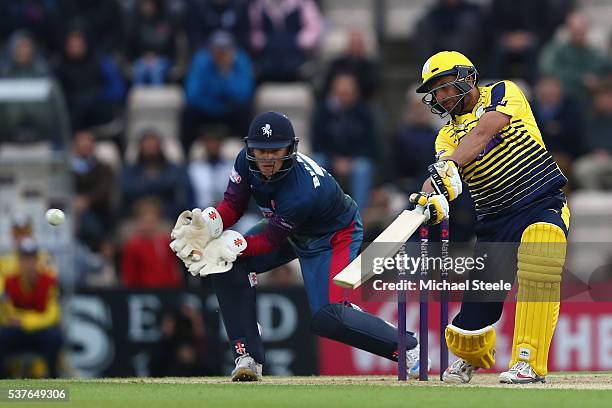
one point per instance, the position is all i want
(460, 372)
(520, 373)
(246, 369)
(413, 363)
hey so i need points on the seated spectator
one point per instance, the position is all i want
(187, 347)
(39, 17)
(560, 121)
(94, 184)
(154, 176)
(21, 228)
(31, 317)
(219, 88)
(92, 83)
(594, 170)
(146, 259)
(355, 61)
(579, 66)
(413, 149)
(151, 41)
(210, 174)
(207, 16)
(283, 34)
(22, 58)
(451, 25)
(345, 139)
(515, 31)
(102, 19)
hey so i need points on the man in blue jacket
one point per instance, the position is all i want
(218, 88)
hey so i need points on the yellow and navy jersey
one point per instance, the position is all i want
(515, 169)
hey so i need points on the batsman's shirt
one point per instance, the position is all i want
(306, 204)
(515, 169)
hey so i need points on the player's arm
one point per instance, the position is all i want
(235, 201)
(490, 124)
(277, 230)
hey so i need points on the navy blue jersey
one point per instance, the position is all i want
(307, 201)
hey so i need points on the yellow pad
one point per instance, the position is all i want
(541, 256)
(477, 347)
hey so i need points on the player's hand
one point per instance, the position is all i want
(219, 255)
(193, 230)
(433, 206)
(445, 179)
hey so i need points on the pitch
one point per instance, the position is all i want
(562, 390)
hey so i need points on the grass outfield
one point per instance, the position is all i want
(575, 390)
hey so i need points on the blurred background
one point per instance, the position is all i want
(125, 112)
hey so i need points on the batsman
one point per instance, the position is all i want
(492, 143)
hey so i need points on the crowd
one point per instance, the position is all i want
(219, 52)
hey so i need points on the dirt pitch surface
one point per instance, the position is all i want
(569, 381)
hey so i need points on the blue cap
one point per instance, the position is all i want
(270, 130)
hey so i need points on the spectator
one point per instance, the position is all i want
(94, 184)
(22, 58)
(102, 19)
(594, 169)
(219, 88)
(579, 66)
(154, 176)
(208, 16)
(31, 321)
(283, 33)
(355, 61)
(92, 84)
(515, 30)
(560, 121)
(151, 43)
(37, 16)
(414, 146)
(147, 260)
(21, 228)
(451, 25)
(187, 347)
(345, 138)
(210, 174)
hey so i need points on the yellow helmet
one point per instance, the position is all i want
(445, 63)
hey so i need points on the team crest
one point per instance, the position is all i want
(425, 68)
(267, 130)
(479, 111)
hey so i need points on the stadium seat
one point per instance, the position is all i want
(590, 233)
(159, 108)
(350, 13)
(295, 100)
(401, 17)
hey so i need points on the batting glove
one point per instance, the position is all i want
(445, 179)
(433, 206)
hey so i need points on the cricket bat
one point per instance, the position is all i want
(395, 235)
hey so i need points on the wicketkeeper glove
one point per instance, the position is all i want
(194, 229)
(433, 206)
(445, 179)
(219, 255)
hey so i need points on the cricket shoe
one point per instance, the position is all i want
(520, 373)
(460, 372)
(246, 369)
(413, 363)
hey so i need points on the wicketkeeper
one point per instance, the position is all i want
(306, 216)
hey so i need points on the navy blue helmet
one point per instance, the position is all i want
(271, 130)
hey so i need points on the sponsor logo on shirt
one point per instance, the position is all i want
(235, 177)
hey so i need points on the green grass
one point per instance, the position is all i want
(89, 394)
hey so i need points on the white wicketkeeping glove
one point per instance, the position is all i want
(219, 255)
(194, 229)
